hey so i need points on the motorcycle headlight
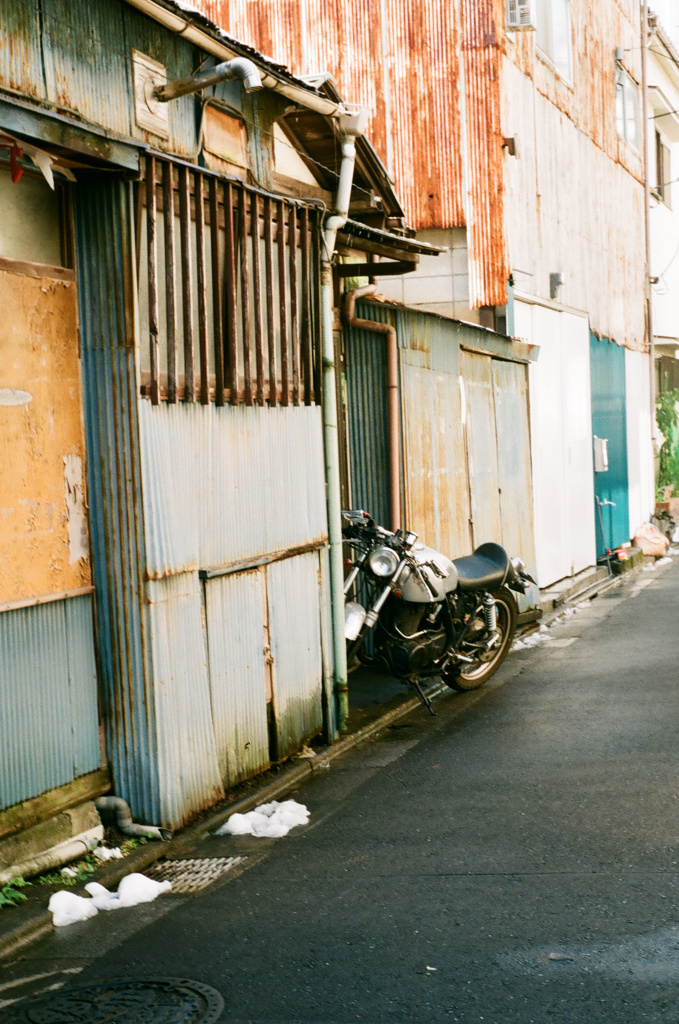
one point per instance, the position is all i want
(383, 562)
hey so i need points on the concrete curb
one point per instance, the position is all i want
(39, 923)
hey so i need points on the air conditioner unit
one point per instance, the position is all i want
(521, 15)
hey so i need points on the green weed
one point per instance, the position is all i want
(10, 894)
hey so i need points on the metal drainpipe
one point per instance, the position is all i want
(351, 126)
(647, 214)
(239, 67)
(393, 420)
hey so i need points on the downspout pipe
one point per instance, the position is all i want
(239, 67)
(393, 419)
(351, 126)
(647, 215)
(124, 823)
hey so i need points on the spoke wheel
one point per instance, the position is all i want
(475, 675)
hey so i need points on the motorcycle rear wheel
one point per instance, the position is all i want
(476, 674)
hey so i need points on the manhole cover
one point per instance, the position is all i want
(192, 875)
(166, 1001)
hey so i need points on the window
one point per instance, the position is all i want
(662, 170)
(627, 108)
(554, 35)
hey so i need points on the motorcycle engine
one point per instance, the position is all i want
(412, 656)
(414, 642)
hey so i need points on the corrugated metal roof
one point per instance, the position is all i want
(400, 58)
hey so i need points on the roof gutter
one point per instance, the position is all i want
(184, 28)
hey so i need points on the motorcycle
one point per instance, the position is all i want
(430, 615)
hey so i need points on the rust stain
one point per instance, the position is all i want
(42, 510)
(483, 30)
(398, 57)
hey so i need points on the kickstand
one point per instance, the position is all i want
(423, 697)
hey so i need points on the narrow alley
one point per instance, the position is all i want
(514, 859)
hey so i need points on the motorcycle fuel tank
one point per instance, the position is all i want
(427, 584)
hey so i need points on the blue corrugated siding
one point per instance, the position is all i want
(609, 420)
(49, 728)
(102, 216)
(366, 375)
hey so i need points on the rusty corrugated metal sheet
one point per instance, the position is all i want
(187, 768)
(226, 484)
(295, 627)
(238, 673)
(483, 29)
(400, 58)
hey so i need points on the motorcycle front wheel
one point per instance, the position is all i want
(472, 676)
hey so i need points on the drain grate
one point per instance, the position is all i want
(192, 875)
(163, 1001)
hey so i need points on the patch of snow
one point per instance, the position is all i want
(271, 821)
(69, 872)
(663, 561)
(136, 888)
(105, 853)
(67, 908)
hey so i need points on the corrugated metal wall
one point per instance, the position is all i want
(103, 251)
(609, 420)
(365, 364)
(466, 457)
(78, 58)
(483, 27)
(223, 488)
(225, 484)
(49, 727)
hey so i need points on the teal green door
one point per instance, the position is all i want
(609, 420)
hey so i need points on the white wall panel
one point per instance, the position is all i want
(561, 435)
(640, 466)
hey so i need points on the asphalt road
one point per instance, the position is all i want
(515, 859)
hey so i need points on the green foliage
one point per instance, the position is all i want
(666, 418)
(10, 894)
(132, 844)
(83, 868)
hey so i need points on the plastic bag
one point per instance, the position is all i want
(650, 540)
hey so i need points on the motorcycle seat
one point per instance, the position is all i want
(486, 569)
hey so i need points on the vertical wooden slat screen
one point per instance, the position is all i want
(151, 242)
(251, 301)
(257, 297)
(294, 326)
(187, 281)
(270, 324)
(202, 290)
(170, 296)
(306, 309)
(282, 303)
(231, 296)
(245, 295)
(217, 325)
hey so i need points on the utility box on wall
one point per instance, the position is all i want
(600, 454)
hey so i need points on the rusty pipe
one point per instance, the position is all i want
(239, 67)
(393, 418)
